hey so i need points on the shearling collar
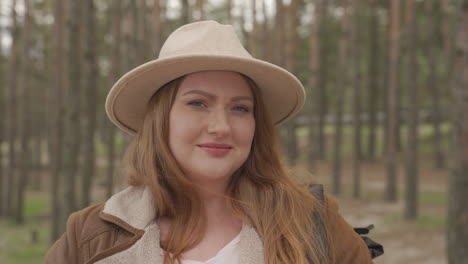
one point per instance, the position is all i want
(134, 206)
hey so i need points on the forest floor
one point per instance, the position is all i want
(416, 242)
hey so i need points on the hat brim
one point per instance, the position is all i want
(126, 102)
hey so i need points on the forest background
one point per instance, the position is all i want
(385, 125)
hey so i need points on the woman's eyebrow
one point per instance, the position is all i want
(212, 96)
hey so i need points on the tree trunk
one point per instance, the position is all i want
(291, 47)
(3, 124)
(245, 34)
(357, 83)
(392, 97)
(266, 43)
(10, 184)
(128, 40)
(448, 25)
(323, 82)
(57, 125)
(279, 36)
(158, 22)
(185, 13)
(36, 152)
(228, 12)
(314, 70)
(136, 35)
(457, 237)
(24, 115)
(253, 38)
(434, 83)
(341, 89)
(374, 85)
(115, 75)
(385, 76)
(147, 31)
(412, 161)
(73, 102)
(91, 78)
(201, 9)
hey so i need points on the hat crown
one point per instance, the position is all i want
(203, 38)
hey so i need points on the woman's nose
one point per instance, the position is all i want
(218, 123)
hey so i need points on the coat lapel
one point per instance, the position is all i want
(145, 251)
(135, 207)
(250, 246)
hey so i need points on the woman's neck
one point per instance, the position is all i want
(219, 215)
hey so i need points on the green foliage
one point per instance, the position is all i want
(434, 198)
(429, 198)
(36, 204)
(425, 221)
(17, 247)
(432, 221)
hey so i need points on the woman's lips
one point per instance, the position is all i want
(216, 151)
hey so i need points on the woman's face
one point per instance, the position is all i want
(212, 125)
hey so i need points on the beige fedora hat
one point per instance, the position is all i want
(201, 46)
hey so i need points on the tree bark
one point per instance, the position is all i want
(392, 97)
(279, 34)
(128, 40)
(323, 82)
(457, 229)
(412, 160)
(115, 74)
(73, 102)
(313, 83)
(10, 184)
(147, 31)
(279, 37)
(158, 21)
(91, 78)
(374, 85)
(291, 47)
(24, 115)
(341, 89)
(136, 34)
(357, 83)
(3, 124)
(56, 127)
(201, 9)
(266, 43)
(253, 36)
(185, 13)
(434, 83)
(228, 12)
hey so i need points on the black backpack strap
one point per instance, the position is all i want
(317, 191)
(375, 249)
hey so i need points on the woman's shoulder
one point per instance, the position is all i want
(86, 222)
(348, 246)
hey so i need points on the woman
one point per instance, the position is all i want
(206, 181)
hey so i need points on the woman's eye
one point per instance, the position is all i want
(196, 103)
(241, 108)
(202, 104)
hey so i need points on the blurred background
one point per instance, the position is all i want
(384, 126)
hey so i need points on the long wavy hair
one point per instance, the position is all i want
(261, 192)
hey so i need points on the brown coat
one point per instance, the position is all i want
(123, 230)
